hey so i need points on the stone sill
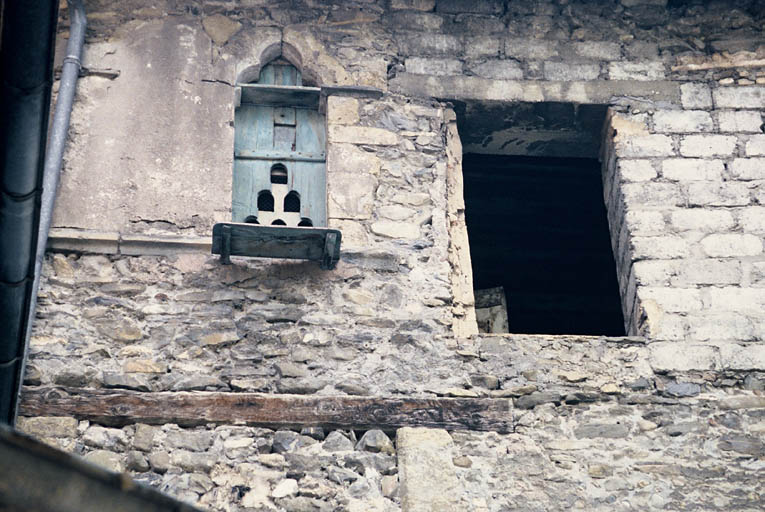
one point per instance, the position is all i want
(111, 242)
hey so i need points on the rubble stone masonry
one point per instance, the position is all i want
(670, 417)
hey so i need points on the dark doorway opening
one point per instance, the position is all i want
(538, 228)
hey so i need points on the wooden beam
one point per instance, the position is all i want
(119, 408)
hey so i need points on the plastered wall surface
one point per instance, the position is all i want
(670, 417)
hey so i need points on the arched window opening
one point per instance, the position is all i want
(292, 202)
(278, 222)
(305, 223)
(251, 219)
(265, 201)
(279, 174)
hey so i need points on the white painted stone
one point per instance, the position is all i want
(695, 95)
(739, 97)
(688, 219)
(636, 170)
(748, 168)
(731, 245)
(690, 169)
(715, 327)
(428, 480)
(645, 222)
(748, 121)
(734, 298)
(706, 272)
(707, 145)
(682, 121)
(645, 146)
(652, 194)
(718, 193)
(753, 219)
(755, 146)
(672, 300)
(659, 247)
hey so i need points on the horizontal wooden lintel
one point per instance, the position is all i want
(119, 408)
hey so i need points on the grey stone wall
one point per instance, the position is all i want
(669, 418)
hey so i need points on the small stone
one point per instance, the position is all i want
(458, 393)
(106, 459)
(285, 441)
(680, 429)
(513, 392)
(304, 386)
(537, 398)
(389, 486)
(124, 330)
(62, 267)
(193, 461)
(645, 425)
(337, 442)
(742, 402)
(484, 381)
(375, 441)
(287, 487)
(393, 229)
(742, 444)
(272, 460)
(198, 441)
(639, 384)
(573, 376)
(159, 461)
(137, 462)
(48, 426)
(138, 382)
(340, 475)
(462, 462)
(123, 289)
(599, 471)
(108, 438)
(286, 369)
(606, 430)
(682, 389)
(220, 338)
(610, 389)
(144, 366)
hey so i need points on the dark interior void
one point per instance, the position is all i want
(537, 227)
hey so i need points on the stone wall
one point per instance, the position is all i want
(668, 418)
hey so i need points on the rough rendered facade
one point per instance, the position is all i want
(670, 417)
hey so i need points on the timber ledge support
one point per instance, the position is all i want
(120, 407)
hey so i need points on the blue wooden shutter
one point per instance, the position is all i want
(280, 137)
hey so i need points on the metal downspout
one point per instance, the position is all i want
(55, 154)
(26, 73)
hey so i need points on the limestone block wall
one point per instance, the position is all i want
(685, 187)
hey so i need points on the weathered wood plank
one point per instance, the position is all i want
(119, 408)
